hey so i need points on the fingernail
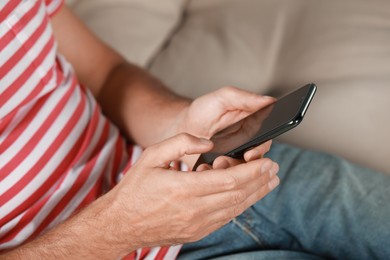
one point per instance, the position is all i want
(266, 166)
(274, 170)
(273, 183)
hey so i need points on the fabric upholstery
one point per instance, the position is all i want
(136, 28)
(270, 47)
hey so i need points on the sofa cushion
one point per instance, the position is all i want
(136, 28)
(270, 47)
(274, 46)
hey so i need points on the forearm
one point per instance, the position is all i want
(138, 103)
(143, 108)
(90, 234)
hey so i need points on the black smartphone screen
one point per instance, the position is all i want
(261, 126)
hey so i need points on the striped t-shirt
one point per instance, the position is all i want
(58, 152)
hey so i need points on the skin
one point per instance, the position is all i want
(154, 204)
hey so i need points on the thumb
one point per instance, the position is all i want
(236, 98)
(174, 148)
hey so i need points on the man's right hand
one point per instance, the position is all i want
(156, 205)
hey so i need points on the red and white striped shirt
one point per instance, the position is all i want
(57, 150)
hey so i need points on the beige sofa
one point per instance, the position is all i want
(270, 47)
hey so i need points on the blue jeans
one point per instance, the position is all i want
(324, 207)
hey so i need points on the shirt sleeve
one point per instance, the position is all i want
(53, 6)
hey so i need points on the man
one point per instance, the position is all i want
(59, 153)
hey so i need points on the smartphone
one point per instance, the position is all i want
(261, 126)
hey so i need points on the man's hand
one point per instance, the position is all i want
(210, 113)
(162, 206)
(156, 205)
(213, 112)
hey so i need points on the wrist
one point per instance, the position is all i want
(179, 120)
(113, 225)
(92, 233)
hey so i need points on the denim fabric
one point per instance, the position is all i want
(324, 207)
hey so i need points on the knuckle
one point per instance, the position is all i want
(184, 137)
(176, 190)
(188, 217)
(191, 233)
(229, 88)
(238, 197)
(240, 209)
(186, 141)
(261, 193)
(265, 164)
(229, 182)
(266, 161)
(235, 211)
(254, 173)
(274, 168)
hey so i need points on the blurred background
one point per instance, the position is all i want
(270, 47)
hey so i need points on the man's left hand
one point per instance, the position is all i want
(210, 113)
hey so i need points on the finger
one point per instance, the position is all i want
(226, 214)
(223, 200)
(162, 154)
(233, 209)
(258, 151)
(255, 189)
(222, 180)
(261, 193)
(219, 209)
(224, 162)
(236, 98)
(203, 167)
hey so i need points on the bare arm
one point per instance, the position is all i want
(170, 210)
(138, 103)
(121, 220)
(90, 234)
(144, 109)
